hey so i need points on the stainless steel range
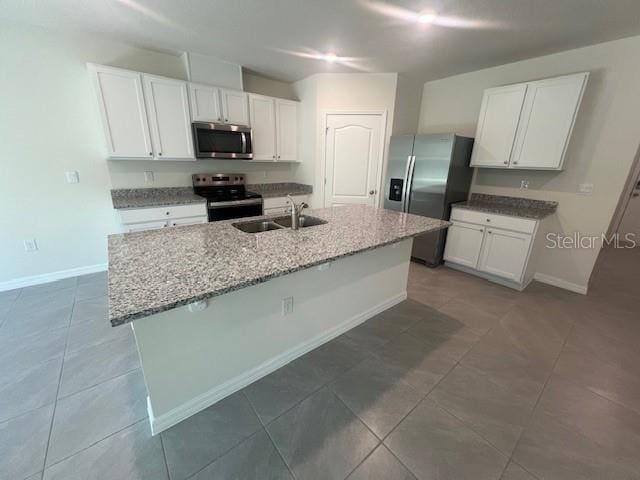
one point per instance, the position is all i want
(226, 196)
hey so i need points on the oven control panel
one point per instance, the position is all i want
(217, 179)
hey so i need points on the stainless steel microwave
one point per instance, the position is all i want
(217, 140)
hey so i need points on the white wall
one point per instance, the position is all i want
(266, 86)
(337, 91)
(601, 151)
(212, 71)
(49, 123)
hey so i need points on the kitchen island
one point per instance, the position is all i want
(214, 308)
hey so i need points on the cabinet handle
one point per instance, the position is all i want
(226, 119)
(219, 118)
(167, 213)
(151, 154)
(489, 232)
(278, 156)
(160, 153)
(515, 163)
(506, 162)
(274, 156)
(488, 219)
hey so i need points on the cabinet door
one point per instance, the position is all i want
(548, 116)
(263, 127)
(144, 226)
(123, 112)
(205, 103)
(497, 126)
(464, 242)
(234, 107)
(505, 254)
(286, 130)
(168, 106)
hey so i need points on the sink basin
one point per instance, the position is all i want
(305, 221)
(257, 226)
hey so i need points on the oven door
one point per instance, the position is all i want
(234, 209)
(215, 140)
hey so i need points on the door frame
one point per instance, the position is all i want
(625, 196)
(383, 143)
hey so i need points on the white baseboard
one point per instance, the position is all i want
(560, 283)
(50, 277)
(199, 403)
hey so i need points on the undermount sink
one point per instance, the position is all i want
(257, 226)
(305, 221)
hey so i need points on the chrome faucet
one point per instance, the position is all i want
(296, 210)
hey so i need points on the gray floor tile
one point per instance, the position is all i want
(321, 439)
(496, 303)
(130, 454)
(95, 332)
(492, 406)
(98, 277)
(202, 438)
(434, 444)
(277, 392)
(615, 428)
(23, 443)
(376, 392)
(550, 451)
(477, 320)
(90, 290)
(9, 295)
(516, 472)
(92, 309)
(90, 366)
(381, 465)
(28, 303)
(28, 323)
(30, 389)
(335, 357)
(254, 459)
(89, 416)
(605, 379)
(20, 353)
(445, 335)
(47, 288)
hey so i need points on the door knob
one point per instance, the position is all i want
(372, 192)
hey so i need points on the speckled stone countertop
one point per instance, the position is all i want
(512, 206)
(154, 271)
(280, 189)
(154, 197)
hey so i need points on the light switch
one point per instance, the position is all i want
(72, 177)
(524, 184)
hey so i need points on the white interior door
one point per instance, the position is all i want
(353, 158)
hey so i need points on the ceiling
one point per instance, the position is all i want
(280, 38)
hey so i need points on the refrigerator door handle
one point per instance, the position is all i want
(411, 163)
(405, 187)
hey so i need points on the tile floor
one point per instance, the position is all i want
(465, 380)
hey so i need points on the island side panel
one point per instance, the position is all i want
(191, 360)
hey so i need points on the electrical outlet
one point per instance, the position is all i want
(149, 177)
(30, 245)
(585, 188)
(524, 184)
(72, 177)
(287, 306)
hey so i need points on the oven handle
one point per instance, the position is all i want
(234, 203)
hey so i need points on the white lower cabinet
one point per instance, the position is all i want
(155, 218)
(496, 247)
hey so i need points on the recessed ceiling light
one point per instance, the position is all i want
(330, 57)
(426, 17)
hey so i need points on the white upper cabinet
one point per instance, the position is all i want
(167, 103)
(235, 108)
(205, 103)
(528, 125)
(286, 130)
(547, 120)
(123, 112)
(497, 125)
(263, 127)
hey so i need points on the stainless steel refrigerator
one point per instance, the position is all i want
(425, 175)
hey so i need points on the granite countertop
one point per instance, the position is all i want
(512, 206)
(154, 271)
(154, 197)
(280, 189)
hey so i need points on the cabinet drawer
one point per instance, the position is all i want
(282, 202)
(138, 215)
(523, 225)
